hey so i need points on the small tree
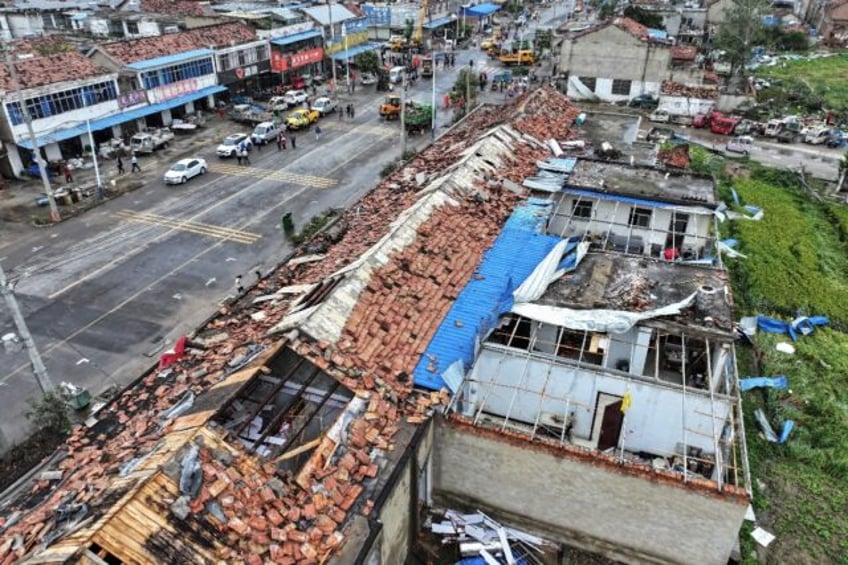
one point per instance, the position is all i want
(741, 29)
(843, 170)
(367, 62)
(644, 17)
(50, 413)
(407, 30)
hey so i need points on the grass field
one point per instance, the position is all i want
(806, 85)
(797, 263)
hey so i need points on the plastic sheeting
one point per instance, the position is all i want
(804, 325)
(614, 321)
(749, 383)
(563, 258)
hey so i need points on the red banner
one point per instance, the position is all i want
(284, 62)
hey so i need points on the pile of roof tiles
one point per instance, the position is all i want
(144, 48)
(672, 88)
(173, 7)
(41, 70)
(676, 157)
(684, 52)
(295, 521)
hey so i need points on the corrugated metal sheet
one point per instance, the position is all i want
(169, 59)
(521, 245)
(558, 165)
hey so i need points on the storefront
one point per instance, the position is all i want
(245, 68)
(297, 55)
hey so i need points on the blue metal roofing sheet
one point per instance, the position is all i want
(294, 38)
(438, 22)
(169, 59)
(617, 198)
(481, 10)
(521, 245)
(356, 50)
(123, 117)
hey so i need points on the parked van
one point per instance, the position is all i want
(740, 144)
(396, 74)
(817, 136)
(264, 132)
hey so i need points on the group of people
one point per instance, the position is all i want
(347, 111)
(135, 168)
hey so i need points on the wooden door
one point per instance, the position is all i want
(610, 426)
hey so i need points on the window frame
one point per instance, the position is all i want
(637, 214)
(578, 209)
(617, 87)
(592, 83)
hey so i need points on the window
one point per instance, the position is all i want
(176, 73)
(261, 52)
(581, 209)
(132, 28)
(242, 57)
(60, 102)
(224, 62)
(620, 86)
(640, 217)
(589, 82)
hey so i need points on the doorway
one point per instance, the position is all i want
(677, 230)
(607, 421)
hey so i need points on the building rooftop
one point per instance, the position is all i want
(174, 7)
(352, 312)
(321, 14)
(620, 130)
(611, 281)
(218, 35)
(43, 70)
(643, 182)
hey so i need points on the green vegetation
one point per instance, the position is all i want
(808, 85)
(796, 263)
(367, 62)
(741, 29)
(314, 226)
(645, 17)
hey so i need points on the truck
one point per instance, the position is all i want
(521, 57)
(717, 122)
(250, 114)
(418, 117)
(790, 126)
(148, 142)
(427, 67)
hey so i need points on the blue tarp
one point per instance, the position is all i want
(481, 10)
(521, 245)
(804, 325)
(657, 33)
(123, 117)
(294, 38)
(778, 382)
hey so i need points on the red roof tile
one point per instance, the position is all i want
(684, 52)
(173, 7)
(632, 27)
(219, 35)
(44, 70)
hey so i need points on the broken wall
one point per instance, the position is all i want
(594, 506)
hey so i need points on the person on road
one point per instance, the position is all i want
(317, 133)
(66, 170)
(245, 156)
(239, 286)
(293, 140)
(134, 162)
(120, 165)
(281, 141)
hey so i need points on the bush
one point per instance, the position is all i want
(50, 413)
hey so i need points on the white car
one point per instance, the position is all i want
(741, 144)
(184, 169)
(230, 146)
(295, 97)
(278, 103)
(367, 78)
(324, 105)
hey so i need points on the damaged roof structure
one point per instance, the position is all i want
(368, 375)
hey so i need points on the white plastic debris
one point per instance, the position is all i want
(784, 347)
(762, 537)
(749, 514)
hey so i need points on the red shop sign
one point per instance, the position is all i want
(305, 57)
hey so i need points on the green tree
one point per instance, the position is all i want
(465, 87)
(644, 17)
(843, 170)
(367, 62)
(407, 30)
(741, 29)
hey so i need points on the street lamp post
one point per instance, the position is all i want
(332, 41)
(94, 158)
(36, 152)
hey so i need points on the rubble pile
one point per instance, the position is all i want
(671, 88)
(387, 331)
(173, 7)
(684, 52)
(43, 70)
(676, 157)
(144, 48)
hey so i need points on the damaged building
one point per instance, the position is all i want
(458, 355)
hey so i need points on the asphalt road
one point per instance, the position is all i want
(106, 292)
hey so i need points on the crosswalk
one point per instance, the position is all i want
(207, 230)
(278, 175)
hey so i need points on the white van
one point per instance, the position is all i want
(396, 74)
(740, 144)
(264, 132)
(817, 136)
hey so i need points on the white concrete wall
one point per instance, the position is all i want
(632, 518)
(25, 25)
(655, 422)
(605, 217)
(684, 105)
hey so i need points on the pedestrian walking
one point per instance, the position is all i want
(245, 156)
(134, 164)
(259, 145)
(120, 165)
(293, 140)
(280, 141)
(352, 111)
(66, 170)
(239, 286)
(317, 133)
(238, 156)
(258, 274)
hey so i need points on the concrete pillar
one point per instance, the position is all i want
(140, 124)
(210, 102)
(52, 152)
(116, 131)
(189, 107)
(15, 163)
(85, 141)
(166, 117)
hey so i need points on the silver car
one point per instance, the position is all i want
(185, 169)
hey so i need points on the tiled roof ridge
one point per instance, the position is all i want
(42, 70)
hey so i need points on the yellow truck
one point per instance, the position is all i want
(522, 57)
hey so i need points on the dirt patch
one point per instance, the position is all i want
(22, 457)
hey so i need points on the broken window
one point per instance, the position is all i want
(514, 331)
(582, 346)
(640, 217)
(589, 82)
(581, 209)
(621, 86)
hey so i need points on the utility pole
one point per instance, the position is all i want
(433, 101)
(332, 42)
(94, 158)
(36, 152)
(403, 116)
(38, 368)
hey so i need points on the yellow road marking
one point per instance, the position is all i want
(219, 232)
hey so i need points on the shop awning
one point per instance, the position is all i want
(294, 38)
(438, 22)
(356, 50)
(481, 10)
(123, 117)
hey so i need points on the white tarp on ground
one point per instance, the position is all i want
(614, 321)
(547, 272)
